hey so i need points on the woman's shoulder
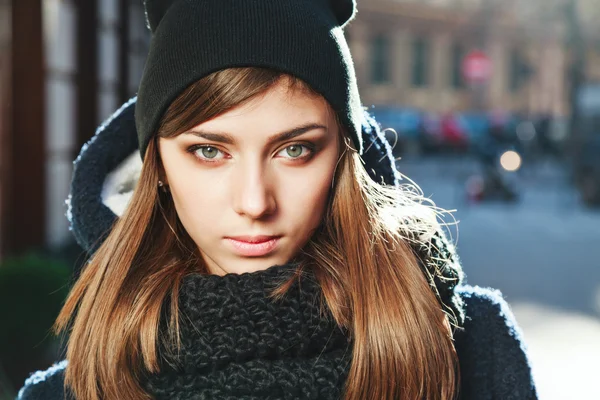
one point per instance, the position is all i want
(46, 385)
(486, 307)
(481, 300)
(492, 353)
(488, 319)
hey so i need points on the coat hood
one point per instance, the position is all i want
(109, 165)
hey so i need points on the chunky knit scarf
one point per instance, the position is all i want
(239, 343)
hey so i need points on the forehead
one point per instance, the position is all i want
(281, 107)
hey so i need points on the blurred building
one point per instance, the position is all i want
(65, 65)
(410, 53)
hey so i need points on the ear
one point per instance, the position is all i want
(155, 11)
(344, 10)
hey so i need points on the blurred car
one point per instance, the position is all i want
(476, 126)
(412, 131)
(431, 139)
(454, 133)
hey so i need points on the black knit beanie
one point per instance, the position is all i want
(194, 38)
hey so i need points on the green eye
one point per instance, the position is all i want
(209, 152)
(294, 151)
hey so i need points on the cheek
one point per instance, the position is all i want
(305, 197)
(197, 204)
(312, 193)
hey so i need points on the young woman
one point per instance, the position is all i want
(265, 248)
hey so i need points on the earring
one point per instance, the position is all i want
(162, 186)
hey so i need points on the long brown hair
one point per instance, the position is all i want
(362, 258)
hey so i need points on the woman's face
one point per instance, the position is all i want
(251, 185)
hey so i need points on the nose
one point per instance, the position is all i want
(254, 195)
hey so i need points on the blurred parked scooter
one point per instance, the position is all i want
(499, 160)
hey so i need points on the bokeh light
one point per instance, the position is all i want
(510, 160)
(526, 131)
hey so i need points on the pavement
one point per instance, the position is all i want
(543, 253)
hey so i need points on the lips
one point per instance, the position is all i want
(253, 246)
(253, 239)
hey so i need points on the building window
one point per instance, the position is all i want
(380, 71)
(420, 70)
(458, 55)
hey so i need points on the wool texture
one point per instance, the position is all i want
(193, 38)
(238, 345)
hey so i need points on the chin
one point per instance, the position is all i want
(249, 265)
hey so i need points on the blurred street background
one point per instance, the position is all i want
(492, 108)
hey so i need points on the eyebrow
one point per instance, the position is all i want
(226, 138)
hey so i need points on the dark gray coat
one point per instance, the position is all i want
(280, 351)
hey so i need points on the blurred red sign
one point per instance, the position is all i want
(477, 67)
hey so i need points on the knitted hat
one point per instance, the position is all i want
(193, 38)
